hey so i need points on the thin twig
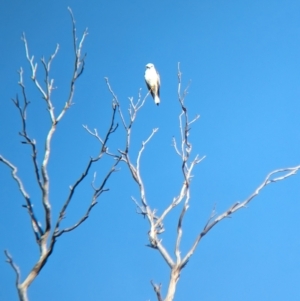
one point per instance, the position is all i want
(103, 150)
(38, 232)
(157, 288)
(239, 205)
(10, 261)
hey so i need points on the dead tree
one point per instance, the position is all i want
(46, 236)
(183, 149)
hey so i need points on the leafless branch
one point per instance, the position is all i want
(98, 191)
(10, 261)
(34, 67)
(175, 147)
(115, 101)
(41, 173)
(239, 205)
(23, 114)
(138, 175)
(155, 228)
(179, 232)
(79, 64)
(183, 150)
(157, 288)
(140, 208)
(96, 195)
(156, 222)
(187, 167)
(38, 232)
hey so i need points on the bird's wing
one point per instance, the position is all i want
(150, 89)
(158, 83)
(148, 86)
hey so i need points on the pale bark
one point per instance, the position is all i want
(47, 236)
(156, 222)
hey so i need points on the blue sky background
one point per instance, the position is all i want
(243, 58)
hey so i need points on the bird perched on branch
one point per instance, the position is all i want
(153, 82)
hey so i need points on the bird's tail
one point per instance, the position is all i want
(156, 99)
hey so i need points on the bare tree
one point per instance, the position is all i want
(47, 236)
(183, 149)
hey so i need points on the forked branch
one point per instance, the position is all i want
(183, 149)
(46, 236)
(156, 226)
(288, 172)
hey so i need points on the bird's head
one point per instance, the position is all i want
(149, 66)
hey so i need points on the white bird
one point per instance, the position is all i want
(153, 82)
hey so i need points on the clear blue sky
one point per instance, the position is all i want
(243, 58)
